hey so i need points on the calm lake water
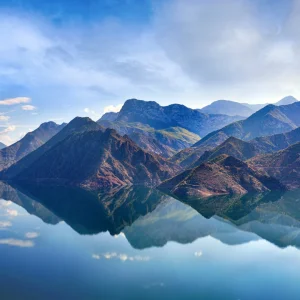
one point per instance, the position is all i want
(136, 243)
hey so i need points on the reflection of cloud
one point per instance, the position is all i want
(4, 203)
(110, 255)
(5, 224)
(32, 235)
(116, 236)
(96, 256)
(17, 243)
(12, 212)
(154, 284)
(198, 253)
(123, 256)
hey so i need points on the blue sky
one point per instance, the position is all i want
(63, 58)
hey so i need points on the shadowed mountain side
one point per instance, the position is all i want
(77, 125)
(177, 222)
(98, 211)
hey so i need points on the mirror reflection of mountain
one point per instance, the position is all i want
(274, 216)
(33, 207)
(150, 218)
(92, 212)
(175, 221)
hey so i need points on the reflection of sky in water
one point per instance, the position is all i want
(42, 261)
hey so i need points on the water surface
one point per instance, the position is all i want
(136, 243)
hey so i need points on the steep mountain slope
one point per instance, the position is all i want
(283, 165)
(228, 107)
(267, 121)
(30, 142)
(270, 120)
(233, 147)
(273, 143)
(223, 175)
(2, 145)
(175, 115)
(76, 125)
(110, 116)
(95, 159)
(165, 142)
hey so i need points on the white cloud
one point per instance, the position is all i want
(28, 107)
(112, 108)
(233, 49)
(192, 53)
(17, 243)
(91, 113)
(31, 235)
(4, 118)
(8, 129)
(14, 101)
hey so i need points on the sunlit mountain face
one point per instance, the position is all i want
(147, 243)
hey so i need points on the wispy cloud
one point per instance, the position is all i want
(91, 113)
(8, 129)
(14, 101)
(4, 118)
(28, 107)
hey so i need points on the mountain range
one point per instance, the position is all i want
(174, 115)
(135, 147)
(222, 175)
(86, 154)
(232, 108)
(165, 142)
(270, 120)
(283, 165)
